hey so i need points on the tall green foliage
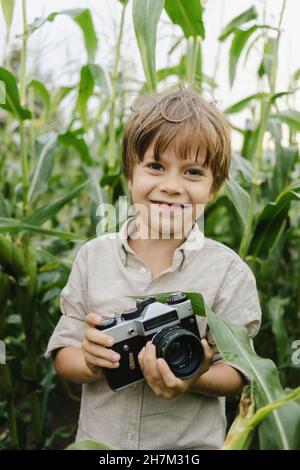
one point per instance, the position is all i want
(54, 171)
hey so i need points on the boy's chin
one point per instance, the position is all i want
(166, 230)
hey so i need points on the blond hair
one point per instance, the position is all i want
(182, 120)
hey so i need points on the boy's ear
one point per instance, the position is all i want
(129, 184)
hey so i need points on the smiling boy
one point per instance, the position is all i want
(176, 155)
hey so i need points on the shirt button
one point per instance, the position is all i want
(130, 435)
(142, 270)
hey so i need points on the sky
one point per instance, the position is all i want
(57, 48)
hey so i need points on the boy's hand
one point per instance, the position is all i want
(96, 347)
(160, 377)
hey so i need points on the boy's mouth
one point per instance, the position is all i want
(170, 204)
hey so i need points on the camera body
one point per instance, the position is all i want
(171, 326)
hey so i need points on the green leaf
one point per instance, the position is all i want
(86, 88)
(248, 15)
(101, 78)
(43, 93)
(241, 165)
(237, 46)
(109, 180)
(296, 75)
(84, 20)
(70, 139)
(268, 58)
(270, 223)
(8, 11)
(280, 430)
(16, 226)
(188, 15)
(145, 15)
(12, 103)
(81, 16)
(240, 433)
(48, 211)
(43, 167)
(58, 97)
(242, 104)
(88, 445)
(286, 158)
(4, 207)
(276, 308)
(240, 199)
(11, 255)
(281, 427)
(291, 117)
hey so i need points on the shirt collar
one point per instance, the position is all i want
(193, 242)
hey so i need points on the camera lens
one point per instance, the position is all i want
(181, 349)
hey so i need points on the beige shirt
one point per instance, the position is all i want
(105, 271)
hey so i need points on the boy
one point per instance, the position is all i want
(176, 155)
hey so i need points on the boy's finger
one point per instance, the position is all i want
(96, 336)
(100, 351)
(93, 319)
(100, 362)
(150, 361)
(168, 377)
(208, 351)
(141, 358)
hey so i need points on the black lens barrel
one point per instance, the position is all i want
(181, 349)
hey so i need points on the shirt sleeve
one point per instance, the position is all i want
(71, 327)
(237, 302)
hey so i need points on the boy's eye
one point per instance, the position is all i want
(153, 165)
(195, 172)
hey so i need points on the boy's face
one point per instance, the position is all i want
(185, 183)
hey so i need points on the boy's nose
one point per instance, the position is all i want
(171, 185)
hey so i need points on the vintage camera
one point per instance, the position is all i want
(171, 326)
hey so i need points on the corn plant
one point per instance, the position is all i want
(54, 172)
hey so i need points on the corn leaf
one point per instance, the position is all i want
(240, 432)
(12, 100)
(101, 77)
(265, 67)
(43, 167)
(187, 15)
(71, 139)
(42, 92)
(237, 46)
(240, 199)
(242, 104)
(245, 17)
(291, 117)
(8, 11)
(86, 88)
(58, 97)
(48, 211)
(17, 226)
(281, 429)
(81, 16)
(145, 15)
(270, 223)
